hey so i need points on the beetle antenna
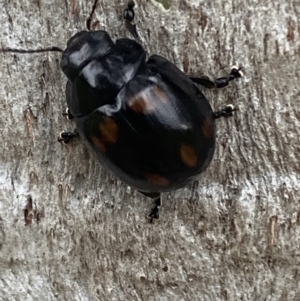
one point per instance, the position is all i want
(89, 19)
(16, 50)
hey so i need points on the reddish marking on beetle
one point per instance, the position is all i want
(188, 155)
(148, 99)
(208, 128)
(109, 130)
(157, 179)
(108, 134)
(160, 93)
(99, 143)
(141, 104)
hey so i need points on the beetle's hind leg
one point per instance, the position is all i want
(218, 82)
(66, 137)
(154, 213)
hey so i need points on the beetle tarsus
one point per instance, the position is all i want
(66, 137)
(226, 112)
(236, 72)
(67, 114)
(128, 16)
(129, 12)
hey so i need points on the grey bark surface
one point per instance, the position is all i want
(231, 235)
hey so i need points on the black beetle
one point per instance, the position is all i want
(145, 120)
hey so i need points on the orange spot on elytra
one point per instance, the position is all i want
(141, 104)
(160, 93)
(157, 179)
(147, 100)
(109, 130)
(99, 143)
(208, 128)
(108, 134)
(188, 155)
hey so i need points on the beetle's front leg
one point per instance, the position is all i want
(220, 82)
(67, 114)
(66, 137)
(128, 16)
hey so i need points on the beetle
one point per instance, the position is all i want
(144, 119)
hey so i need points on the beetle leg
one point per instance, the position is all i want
(128, 16)
(218, 82)
(154, 213)
(66, 137)
(128, 13)
(67, 114)
(203, 81)
(89, 19)
(226, 112)
(224, 81)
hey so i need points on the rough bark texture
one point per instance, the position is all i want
(232, 235)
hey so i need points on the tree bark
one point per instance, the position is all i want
(231, 235)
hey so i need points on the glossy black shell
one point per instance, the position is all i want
(146, 121)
